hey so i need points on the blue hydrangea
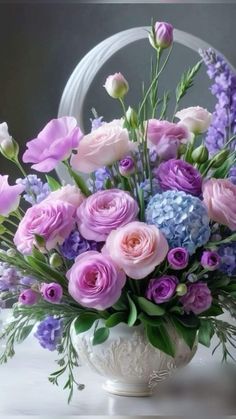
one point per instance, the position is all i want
(228, 258)
(49, 333)
(182, 218)
(35, 190)
(145, 185)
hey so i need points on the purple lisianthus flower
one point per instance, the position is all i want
(161, 290)
(10, 196)
(210, 260)
(52, 292)
(28, 297)
(95, 281)
(198, 298)
(53, 144)
(49, 333)
(163, 35)
(179, 175)
(76, 244)
(178, 258)
(126, 166)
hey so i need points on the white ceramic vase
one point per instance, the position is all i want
(129, 364)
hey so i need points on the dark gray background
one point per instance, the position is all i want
(42, 43)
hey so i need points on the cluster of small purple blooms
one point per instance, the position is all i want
(223, 125)
(35, 190)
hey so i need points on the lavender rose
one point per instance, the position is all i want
(51, 220)
(95, 280)
(126, 166)
(10, 196)
(210, 260)
(105, 211)
(162, 289)
(179, 175)
(52, 292)
(28, 297)
(198, 298)
(53, 144)
(178, 258)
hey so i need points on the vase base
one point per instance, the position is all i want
(127, 389)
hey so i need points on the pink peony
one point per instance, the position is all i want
(104, 211)
(165, 137)
(95, 280)
(137, 248)
(53, 221)
(53, 144)
(10, 196)
(219, 196)
(102, 147)
(69, 193)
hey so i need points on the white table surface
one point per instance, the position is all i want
(25, 390)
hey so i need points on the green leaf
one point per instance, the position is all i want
(187, 333)
(84, 322)
(188, 320)
(133, 312)
(141, 204)
(45, 270)
(149, 307)
(38, 255)
(54, 185)
(214, 311)
(116, 318)
(159, 338)
(186, 81)
(100, 335)
(206, 332)
(153, 321)
(121, 304)
(80, 182)
(24, 333)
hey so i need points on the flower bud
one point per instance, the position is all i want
(200, 154)
(116, 86)
(132, 118)
(210, 260)
(182, 149)
(219, 158)
(8, 147)
(126, 166)
(55, 260)
(161, 36)
(11, 253)
(181, 290)
(29, 297)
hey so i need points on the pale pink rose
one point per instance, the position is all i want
(102, 147)
(137, 248)
(219, 196)
(9, 196)
(69, 193)
(195, 118)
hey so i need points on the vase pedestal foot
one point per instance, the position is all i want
(127, 389)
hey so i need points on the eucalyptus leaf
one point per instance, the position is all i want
(116, 318)
(206, 332)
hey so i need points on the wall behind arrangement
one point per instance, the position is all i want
(42, 43)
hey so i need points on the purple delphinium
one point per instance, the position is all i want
(35, 190)
(49, 333)
(223, 125)
(227, 253)
(75, 244)
(96, 122)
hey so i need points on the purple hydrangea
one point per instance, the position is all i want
(228, 258)
(49, 333)
(35, 190)
(75, 244)
(223, 125)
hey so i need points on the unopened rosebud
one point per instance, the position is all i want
(132, 118)
(219, 158)
(8, 147)
(116, 86)
(55, 260)
(161, 36)
(200, 154)
(126, 166)
(181, 290)
(182, 149)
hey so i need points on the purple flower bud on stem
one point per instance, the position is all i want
(210, 260)
(178, 258)
(52, 292)
(28, 297)
(126, 166)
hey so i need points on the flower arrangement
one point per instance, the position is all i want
(147, 237)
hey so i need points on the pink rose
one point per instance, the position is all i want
(102, 147)
(95, 280)
(165, 137)
(137, 248)
(104, 211)
(53, 144)
(196, 119)
(10, 196)
(219, 196)
(69, 193)
(53, 221)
